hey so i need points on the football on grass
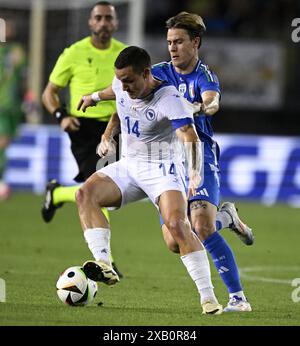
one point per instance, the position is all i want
(74, 288)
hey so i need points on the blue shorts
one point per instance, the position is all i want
(209, 191)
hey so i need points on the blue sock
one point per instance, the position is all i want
(224, 261)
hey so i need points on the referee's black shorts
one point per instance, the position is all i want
(84, 143)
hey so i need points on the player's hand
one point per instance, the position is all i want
(70, 124)
(197, 107)
(85, 102)
(194, 182)
(106, 147)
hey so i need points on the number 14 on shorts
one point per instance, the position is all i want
(171, 169)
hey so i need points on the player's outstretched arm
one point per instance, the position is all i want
(92, 99)
(108, 145)
(193, 153)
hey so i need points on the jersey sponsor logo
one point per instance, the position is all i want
(182, 88)
(150, 114)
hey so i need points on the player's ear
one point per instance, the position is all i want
(197, 41)
(116, 24)
(90, 23)
(146, 73)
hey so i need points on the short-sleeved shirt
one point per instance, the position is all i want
(191, 86)
(86, 69)
(152, 156)
(147, 125)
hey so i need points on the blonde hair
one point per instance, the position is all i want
(191, 22)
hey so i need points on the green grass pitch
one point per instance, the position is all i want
(156, 290)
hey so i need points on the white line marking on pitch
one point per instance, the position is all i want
(244, 274)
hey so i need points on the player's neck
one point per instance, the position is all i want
(97, 43)
(188, 67)
(153, 84)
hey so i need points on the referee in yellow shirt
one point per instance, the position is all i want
(85, 66)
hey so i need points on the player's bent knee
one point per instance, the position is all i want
(83, 194)
(175, 223)
(177, 226)
(203, 230)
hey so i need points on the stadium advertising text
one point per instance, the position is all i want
(259, 168)
(296, 31)
(265, 60)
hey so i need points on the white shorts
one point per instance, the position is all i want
(137, 180)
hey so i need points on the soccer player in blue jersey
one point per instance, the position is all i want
(200, 86)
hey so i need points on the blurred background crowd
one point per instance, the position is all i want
(247, 41)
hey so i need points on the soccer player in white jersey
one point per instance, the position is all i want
(200, 86)
(153, 118)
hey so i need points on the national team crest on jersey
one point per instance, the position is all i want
(182, 88)
(122, 102)
(150, 114)
(191, 90)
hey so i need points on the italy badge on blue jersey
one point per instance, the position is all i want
(191, 90)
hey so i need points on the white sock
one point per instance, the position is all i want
(224, 218)
(240, 294)
(98, 240)
(198, 267)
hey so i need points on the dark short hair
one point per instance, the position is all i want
(133, 56)
(102, 3)
(191, 22)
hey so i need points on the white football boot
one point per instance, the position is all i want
(100, 271)
(211, 308)
(237, 304)
(243, 231)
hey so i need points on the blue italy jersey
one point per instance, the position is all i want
(191, 86)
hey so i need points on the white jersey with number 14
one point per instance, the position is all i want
(146, 124)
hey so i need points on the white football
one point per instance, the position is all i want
(74, 288)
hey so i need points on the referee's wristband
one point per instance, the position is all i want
(95, 96)
(59, 114)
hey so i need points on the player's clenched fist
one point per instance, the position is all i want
(194, 182)
(106, 147)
